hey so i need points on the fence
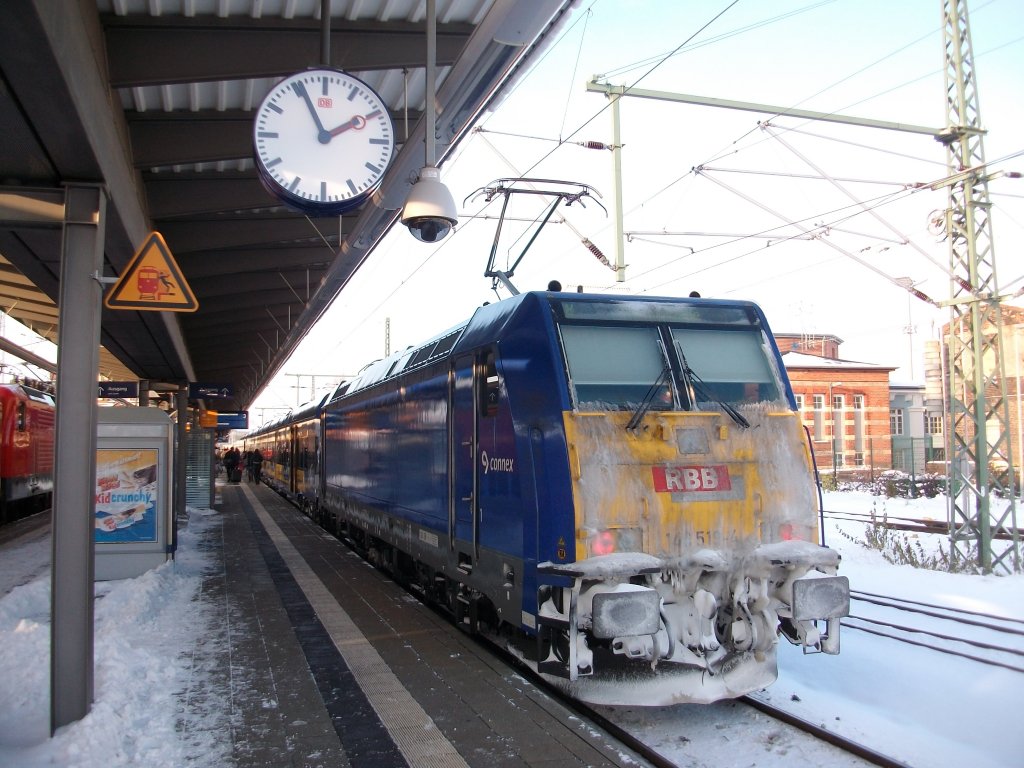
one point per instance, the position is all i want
(913, 455)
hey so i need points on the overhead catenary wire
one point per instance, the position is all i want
(782, 238)
(659, 62)
(712, 40)
(767, 128)
(683, 47)
(655, 66)
(862, 262)
(569, 140)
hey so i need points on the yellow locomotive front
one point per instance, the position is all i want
(697, 538)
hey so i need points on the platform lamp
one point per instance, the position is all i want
(429, 210)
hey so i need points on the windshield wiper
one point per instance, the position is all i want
(645, 404)
(695, 384)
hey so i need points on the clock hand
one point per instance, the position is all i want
(357, 122)
(322, 134)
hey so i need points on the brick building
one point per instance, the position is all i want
(1013, 370)
(844, 403)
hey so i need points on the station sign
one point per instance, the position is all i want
(197, 391)
(232, 419)
(118, 389)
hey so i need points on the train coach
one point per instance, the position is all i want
(619, 486)
(27, 418)
(290, 448)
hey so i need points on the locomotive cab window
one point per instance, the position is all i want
(615, 367)
(21, 417)
(730, 366)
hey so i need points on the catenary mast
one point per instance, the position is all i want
(981, 497)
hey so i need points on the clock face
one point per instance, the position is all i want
(323, 140)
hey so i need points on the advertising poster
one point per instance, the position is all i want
(126, 495)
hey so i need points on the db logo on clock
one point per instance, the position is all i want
(324, 102)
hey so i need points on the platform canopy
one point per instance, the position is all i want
(155, 99)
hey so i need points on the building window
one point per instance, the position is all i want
(838, 402)
(838, 458)
(895, 421)
(858, 459)
(933, 423)
(858, 402)
(819, 402)
(799, 402)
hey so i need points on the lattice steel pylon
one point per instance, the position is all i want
(982, 509)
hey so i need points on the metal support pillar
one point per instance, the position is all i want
(180, 462)
(74, 488)
(981, 494)
(620, 258)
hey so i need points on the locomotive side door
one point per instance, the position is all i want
(464, 492)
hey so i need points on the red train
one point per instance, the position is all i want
(27, 419)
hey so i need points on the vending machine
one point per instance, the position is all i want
(134, 513)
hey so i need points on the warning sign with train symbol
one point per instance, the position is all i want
(152, 281)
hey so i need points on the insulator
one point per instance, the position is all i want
(922, 297)
(595, 145)
(597, 252)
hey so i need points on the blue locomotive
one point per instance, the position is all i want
(618, 485)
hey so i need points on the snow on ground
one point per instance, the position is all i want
(930, 710)
(145, 629)
(927, 708)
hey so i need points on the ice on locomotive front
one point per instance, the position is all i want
(697, 539)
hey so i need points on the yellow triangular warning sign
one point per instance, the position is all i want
(152, 281)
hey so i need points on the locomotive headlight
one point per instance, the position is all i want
(626, 611)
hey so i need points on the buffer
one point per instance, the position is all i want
(152, 281)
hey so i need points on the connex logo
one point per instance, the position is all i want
(496, 464)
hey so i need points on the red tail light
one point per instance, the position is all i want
(603, 543)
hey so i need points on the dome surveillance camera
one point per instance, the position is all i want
(429, 211)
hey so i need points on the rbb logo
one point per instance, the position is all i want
(325, 102)
(691, 479)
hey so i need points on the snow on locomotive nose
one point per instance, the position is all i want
(696, 546)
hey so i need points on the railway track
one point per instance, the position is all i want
(847, 745)
(981, 637)
(641, 729)
(834, 749)
(758, 732)
(911, 524)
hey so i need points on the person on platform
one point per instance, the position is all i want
(255, 465)
(231, 459)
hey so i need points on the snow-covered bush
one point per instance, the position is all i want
(893, 483)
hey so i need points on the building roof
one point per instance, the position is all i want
(800, 360)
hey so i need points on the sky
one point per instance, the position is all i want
(727, 230)
(927, 709)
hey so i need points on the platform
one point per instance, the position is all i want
(358, 671)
